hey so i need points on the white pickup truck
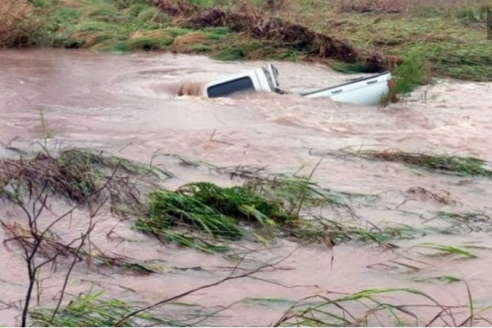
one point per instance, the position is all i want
(364, 91)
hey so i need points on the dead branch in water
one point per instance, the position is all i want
(37, 244)
(33, 241)
(52, 247)
(231, 276)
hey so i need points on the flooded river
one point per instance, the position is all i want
(127, 105)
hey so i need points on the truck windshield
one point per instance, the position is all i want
(230, 87)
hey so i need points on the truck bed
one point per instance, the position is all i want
(366, 91)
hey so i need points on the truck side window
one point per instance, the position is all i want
(227, 88)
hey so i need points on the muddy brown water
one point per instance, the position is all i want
(127, 105)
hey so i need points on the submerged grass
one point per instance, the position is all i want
(198, 215)
(275, 207)
(359, 231)
(446, 250)
(445, 279)
(470, 166)
(467, 222)
(268, 301)
(370, 307)
(90, 310)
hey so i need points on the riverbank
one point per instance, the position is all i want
(431, 38)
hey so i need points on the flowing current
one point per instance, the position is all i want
(128, 105)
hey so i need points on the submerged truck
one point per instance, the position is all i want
(364, 91)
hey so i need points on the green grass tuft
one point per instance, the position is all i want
(274, 206)
(238, 49)
(230, 53)
(176, 31)
(153, 15)
(446, 250)
(105, 13)
(348, 68)
(142, 43)
(214, 210)
(65, 15)
(412, 73)
(90, 310)
(136, 9)
(93, 26)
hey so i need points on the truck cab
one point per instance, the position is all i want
(364, 91)
(257, 80)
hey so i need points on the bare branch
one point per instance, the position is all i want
(228, 278)
(67, 276)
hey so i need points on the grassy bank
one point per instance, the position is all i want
(450, 35)
(431, 38)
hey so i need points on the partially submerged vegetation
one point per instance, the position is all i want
(278, 207)
(467, 166)
(412, 73)
(91, 310)
(215, 210)
(374, 307)
(367, 307)
(203, 215)
(200, 215)
(445, 250)
(208, 217)
(466, 222)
